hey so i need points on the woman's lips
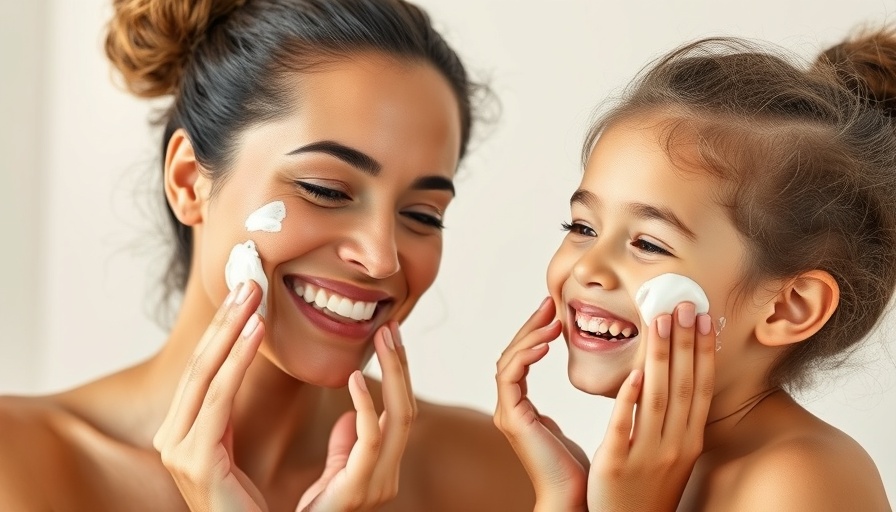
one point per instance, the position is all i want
(337, 308)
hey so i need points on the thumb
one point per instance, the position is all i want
(574, 449)
(342, 439)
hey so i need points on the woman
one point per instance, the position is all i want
(341, 123)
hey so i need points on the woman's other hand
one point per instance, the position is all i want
(364, 454)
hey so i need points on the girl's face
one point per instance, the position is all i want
(364, 167)
(635, 216)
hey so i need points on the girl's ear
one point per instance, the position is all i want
(799, 310)
(185, 186)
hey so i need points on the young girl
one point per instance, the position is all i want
(774, 188)
(313, 145)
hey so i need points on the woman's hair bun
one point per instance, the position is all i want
(866, 63)
(151, 41)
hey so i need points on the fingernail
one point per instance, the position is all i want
(638, 377)
(704, 324)
(387, 337)
(539, 346)
(687, 314)
(397, 337)
(232, 294)
(544, 303)
(359, 378)
(244, 293)
(250, 326)
(664, 326)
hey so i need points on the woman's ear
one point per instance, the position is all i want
(799, 310)
(185, 186)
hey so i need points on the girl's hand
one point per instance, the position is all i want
(556, 465)
(646, 467)
(196, 438)
(364, 454)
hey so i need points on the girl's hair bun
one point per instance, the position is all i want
(150, 41)
(866, 64)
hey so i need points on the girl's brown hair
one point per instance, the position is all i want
(806, 162)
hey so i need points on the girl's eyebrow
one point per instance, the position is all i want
(351, 156)
(662, 214)
(639, 210)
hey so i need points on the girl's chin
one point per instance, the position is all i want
(595, 383)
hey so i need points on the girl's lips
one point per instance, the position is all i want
(591, 343)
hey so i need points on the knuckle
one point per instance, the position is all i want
(658, 402)
(685, 389)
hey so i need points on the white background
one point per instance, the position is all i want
(78, 209)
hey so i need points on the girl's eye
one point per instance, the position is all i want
(578, 229)
(426, 219)
(645, 246)
(325, 193)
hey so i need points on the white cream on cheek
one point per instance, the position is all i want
(244, 262)
(267, 218)
(661, 294)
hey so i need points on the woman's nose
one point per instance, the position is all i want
(372, 248)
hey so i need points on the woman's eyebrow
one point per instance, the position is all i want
(433, 183)
(351, 156)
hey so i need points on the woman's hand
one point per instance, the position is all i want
(364, 454)
(646, 466)
(556, 466)
(196, 437)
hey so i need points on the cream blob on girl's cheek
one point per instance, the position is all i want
(662, 293)
(244, 263)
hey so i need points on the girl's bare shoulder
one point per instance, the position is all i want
(806, 464)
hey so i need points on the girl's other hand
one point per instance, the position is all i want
(556, 466)
(646, 465)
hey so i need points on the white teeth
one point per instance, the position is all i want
(358, 310)
(343, 306)
(603, 326)
(321, 299)
(615, 329)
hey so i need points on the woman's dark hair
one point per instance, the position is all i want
(227, 65)
(805, 158)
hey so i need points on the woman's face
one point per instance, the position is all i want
(364, 167)
(635, 216)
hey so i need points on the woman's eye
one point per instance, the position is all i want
(578, 229)
(325, 193)
(645, 246)
(426, 219)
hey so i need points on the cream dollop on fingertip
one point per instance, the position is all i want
(245, 264)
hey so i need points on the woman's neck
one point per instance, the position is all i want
(274, 415)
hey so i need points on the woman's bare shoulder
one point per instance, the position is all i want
(816, 468)
(34, 454)
(466, 463)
